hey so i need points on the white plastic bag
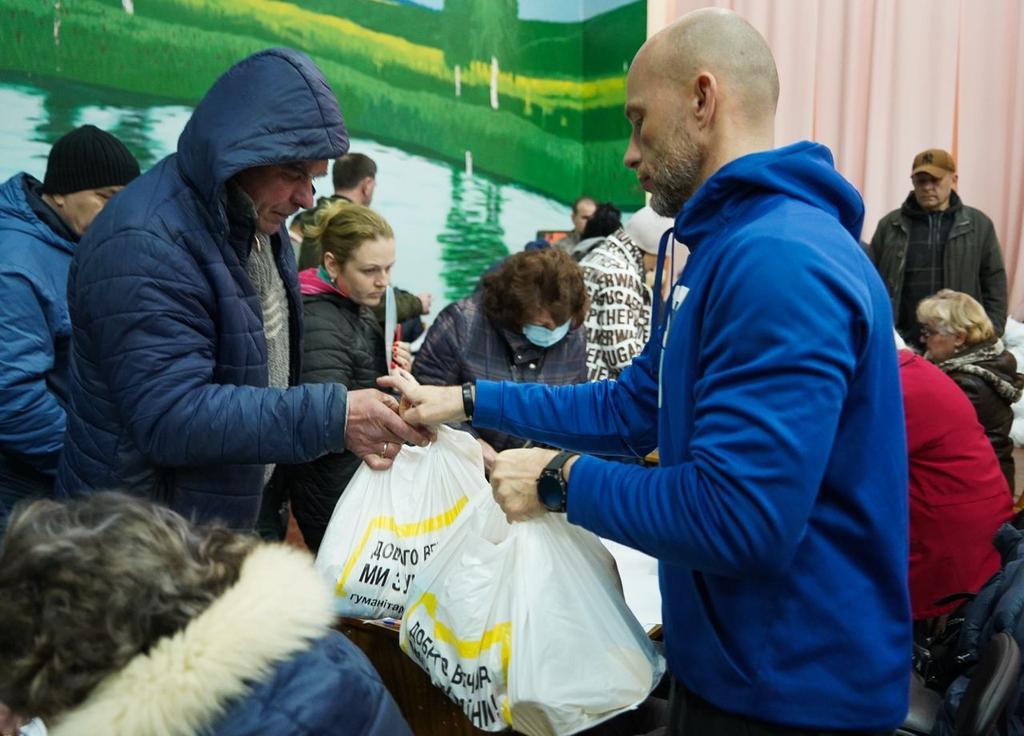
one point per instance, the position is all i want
(389, 522)
(525, 626)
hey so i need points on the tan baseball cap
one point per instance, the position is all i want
(935, 162)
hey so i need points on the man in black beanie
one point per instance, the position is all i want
(40, 224)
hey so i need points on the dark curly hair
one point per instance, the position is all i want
(535, 279)
(87, 585)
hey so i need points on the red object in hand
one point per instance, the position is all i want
(394, 347)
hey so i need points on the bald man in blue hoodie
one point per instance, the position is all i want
(770, 388)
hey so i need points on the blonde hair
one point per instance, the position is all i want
(955, 313)
(342, 226)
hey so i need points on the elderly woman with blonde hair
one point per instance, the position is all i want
(960, 339)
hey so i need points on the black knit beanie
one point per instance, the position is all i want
(88, 158)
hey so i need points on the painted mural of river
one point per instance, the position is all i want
(449, 226)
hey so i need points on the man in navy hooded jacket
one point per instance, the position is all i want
(770, 388)
(187, 313)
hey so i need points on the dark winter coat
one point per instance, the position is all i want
(987, 373)
(997, 607)
(35, 332)
(344, 344)
(260, 660)
(168, 386)
(972, 262)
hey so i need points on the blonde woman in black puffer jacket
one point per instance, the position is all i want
(343, 341)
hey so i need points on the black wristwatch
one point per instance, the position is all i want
(552, 488)
(467, 400)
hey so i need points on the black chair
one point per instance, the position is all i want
(992, 692)
(987, 702)
(924, 706)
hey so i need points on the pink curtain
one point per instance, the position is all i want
(878, 81)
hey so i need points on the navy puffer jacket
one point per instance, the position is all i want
(168, 387)
(999, 606)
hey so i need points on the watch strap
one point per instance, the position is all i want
(553, 475)
(558, 462)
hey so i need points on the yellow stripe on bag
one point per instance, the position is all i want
(499, 634)
(411, 529)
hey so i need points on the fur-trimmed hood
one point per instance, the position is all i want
(278, 607)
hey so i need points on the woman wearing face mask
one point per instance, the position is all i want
(343, 342)
(960, 340)
(523, 324)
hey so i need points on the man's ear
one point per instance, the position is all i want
(955, 179)
(705, 98)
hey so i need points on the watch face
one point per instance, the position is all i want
(549, 490)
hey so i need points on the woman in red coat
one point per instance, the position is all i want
(958, 494)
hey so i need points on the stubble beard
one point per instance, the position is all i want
(677, 177)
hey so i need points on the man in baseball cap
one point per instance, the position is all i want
(40, 225)
(934, 161)
(934, 242)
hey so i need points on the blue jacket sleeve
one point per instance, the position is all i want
(605, 417)
(777, 357)
(31, 419)
(153, 328)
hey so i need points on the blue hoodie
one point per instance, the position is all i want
(779, 510)
(168, 385)
(34, 335)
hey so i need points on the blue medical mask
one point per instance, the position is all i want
(542, 337)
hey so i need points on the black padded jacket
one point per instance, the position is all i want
(343, 344)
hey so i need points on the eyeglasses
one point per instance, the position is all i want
(927, 332)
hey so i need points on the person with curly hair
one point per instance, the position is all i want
(122, 618)
(523, 324)
(961, 340)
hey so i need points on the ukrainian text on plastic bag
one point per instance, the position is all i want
(525, 626)
(388, 523)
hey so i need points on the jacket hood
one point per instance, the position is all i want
(803, 171)
(16, 214)
(911, 207)
(270, 108)
(184, 683)
(311, 283)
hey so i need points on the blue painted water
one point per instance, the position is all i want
(448, 226)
